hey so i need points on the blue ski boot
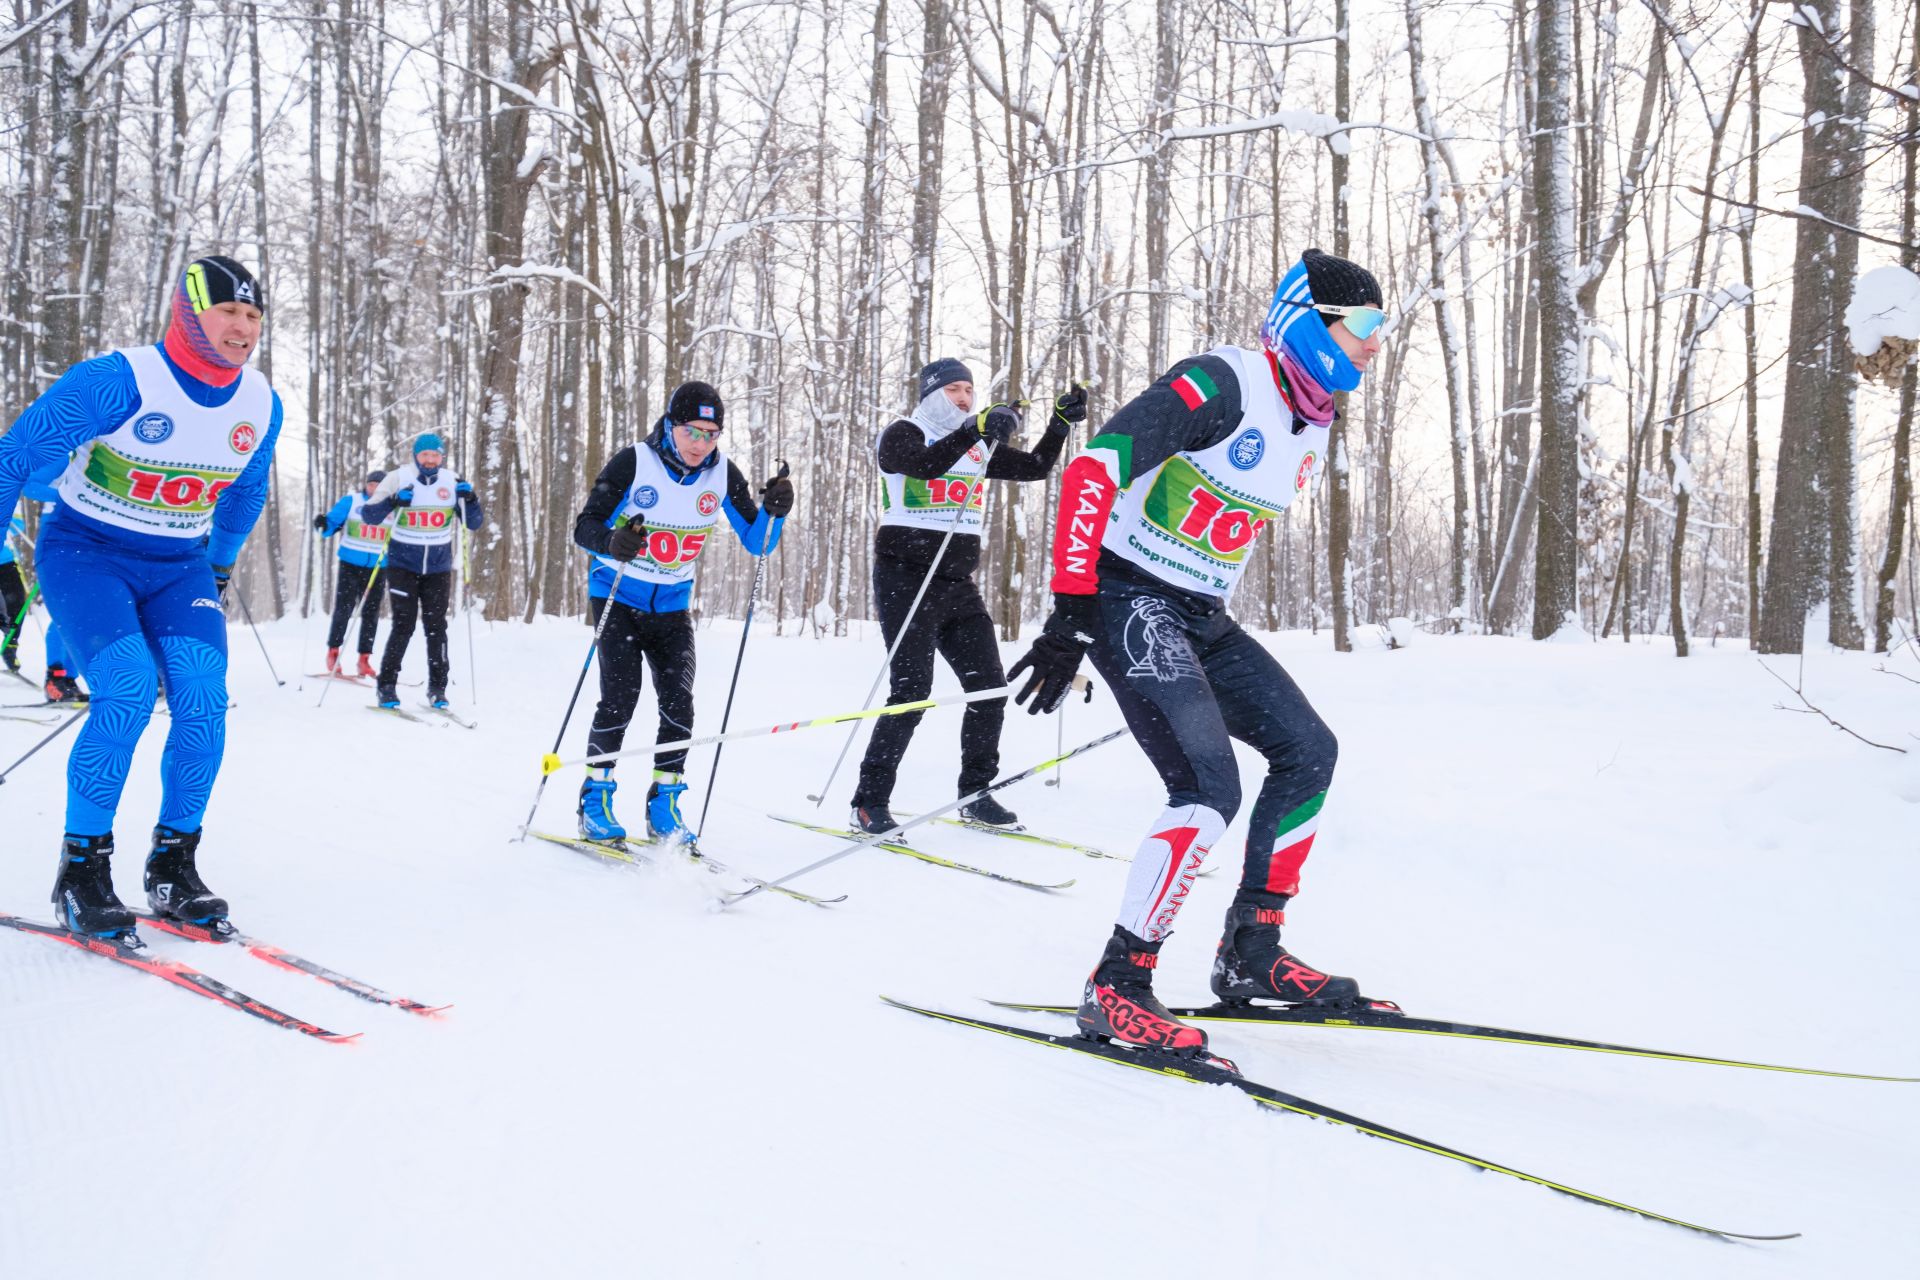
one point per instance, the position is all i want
(663, 807)
(596, 810)
(437, 699)
(83, 896)
(387, 697)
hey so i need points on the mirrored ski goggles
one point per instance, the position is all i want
(1362, 322)
(702, 434)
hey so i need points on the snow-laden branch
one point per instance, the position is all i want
(1805, 212)
(534, 271)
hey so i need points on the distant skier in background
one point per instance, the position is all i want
(933, 472)
(171, 449)
(651, 511)
(431, 500)
(1156, 521)
(358, 584)
(61, 684)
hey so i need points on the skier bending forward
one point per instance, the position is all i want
(172, 449)
(1155, 523)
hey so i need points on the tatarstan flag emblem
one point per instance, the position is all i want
(1195, 388)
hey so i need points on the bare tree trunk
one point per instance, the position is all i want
(1159, 177)
(1339, 477)
(1902, 494)
(1557, 550)
(930, 152)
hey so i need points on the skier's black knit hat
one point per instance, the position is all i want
(940, 373)
(1336, 282)
(375, 477)
(697, 403)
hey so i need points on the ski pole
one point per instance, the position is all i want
(70, 722)
(248, 615)
(746, 628)
(361, 609)
(553, 763)
(865, 840)
(1080, 684)
(466, 590)
(901, 636)
(26, 607)
(613, 596)
(306, 605)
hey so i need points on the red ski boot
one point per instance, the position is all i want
(1119, 1003)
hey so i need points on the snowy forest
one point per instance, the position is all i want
(1618, 240)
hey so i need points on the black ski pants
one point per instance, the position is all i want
(633, 641)
(952, 622)
(13, 598)
(421, 597)
(351, 592)
(1189, 680)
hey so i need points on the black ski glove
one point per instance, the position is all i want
(628, 540)
(776, 497)
(995, 423)
(1055, 655)
(222, 575)
(1070, 407)
(320, 524)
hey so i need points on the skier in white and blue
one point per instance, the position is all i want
(171, 448)
(652, 509)
(60, 686)
(363, 549)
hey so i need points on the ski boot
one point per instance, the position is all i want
(174, 887)
(1251, 964)
(366, 670)
(83, 897)
(387, 697)
(62, 687)
(11, 656)
(663, 808)
(871, 819)
(437, 699)
(596, 810)
(1119, 1003)
(988, 812)
(333, 662)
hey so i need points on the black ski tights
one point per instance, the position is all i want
(632, 642)
(422, 596)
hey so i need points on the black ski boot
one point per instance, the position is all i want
(988, 812)
(1252, 965)
(83, 896)
(1119, 1003)
(387, 697)
(174, 887)
(62, 687)
(873, 819)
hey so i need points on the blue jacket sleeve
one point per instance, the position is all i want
(240, 506)
(337, 515)
(758, 532)
(88, 401)
(476, 515)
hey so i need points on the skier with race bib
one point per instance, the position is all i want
(1156, 521)
(934, 466)
(61, 685)
(652, 509)
(171, 453)
(431, 502)
(362, 547)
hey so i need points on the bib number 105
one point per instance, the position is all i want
(1223, 528)
(174, 490)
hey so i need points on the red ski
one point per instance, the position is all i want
(280, 958)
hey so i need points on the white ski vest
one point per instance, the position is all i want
(932, 504)
(161, 471)
(679, 517)
(432, 519)
(1192, 521)
(357, 535)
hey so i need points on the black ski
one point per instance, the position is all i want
(280, 958)
(907, 850)
(1387, 1018)
(1204, 1071)
(134, 956)
(447, 715)
(624, 851)
(403, 714)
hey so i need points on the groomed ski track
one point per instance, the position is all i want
(1594, 840)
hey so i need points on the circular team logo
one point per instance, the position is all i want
(976, 454)
(1245, 452)
(709, 503)
(443, 492)
(1305, 473)
(645, 496)
(153, 428)
(243, 439)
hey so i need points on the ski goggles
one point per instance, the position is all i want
(705, 435)
(1361, 322)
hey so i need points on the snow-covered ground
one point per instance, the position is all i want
(1592, 840)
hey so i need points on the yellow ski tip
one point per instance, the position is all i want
(549, 764)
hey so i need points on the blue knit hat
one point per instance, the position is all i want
(428, 440)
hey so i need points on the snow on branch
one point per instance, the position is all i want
(1806, 212)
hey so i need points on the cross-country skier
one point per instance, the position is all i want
(171, 448)
(13, 596)
(61, 684)
(430, 498)
(934, 467)
(1155, 524)
(358, 586)
(651, 511)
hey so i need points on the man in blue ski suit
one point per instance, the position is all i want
(167, 451)
(363, 553)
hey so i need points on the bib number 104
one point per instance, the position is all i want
(943, 492)
(174, 490)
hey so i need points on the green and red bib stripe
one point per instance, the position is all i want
(1195, 388)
